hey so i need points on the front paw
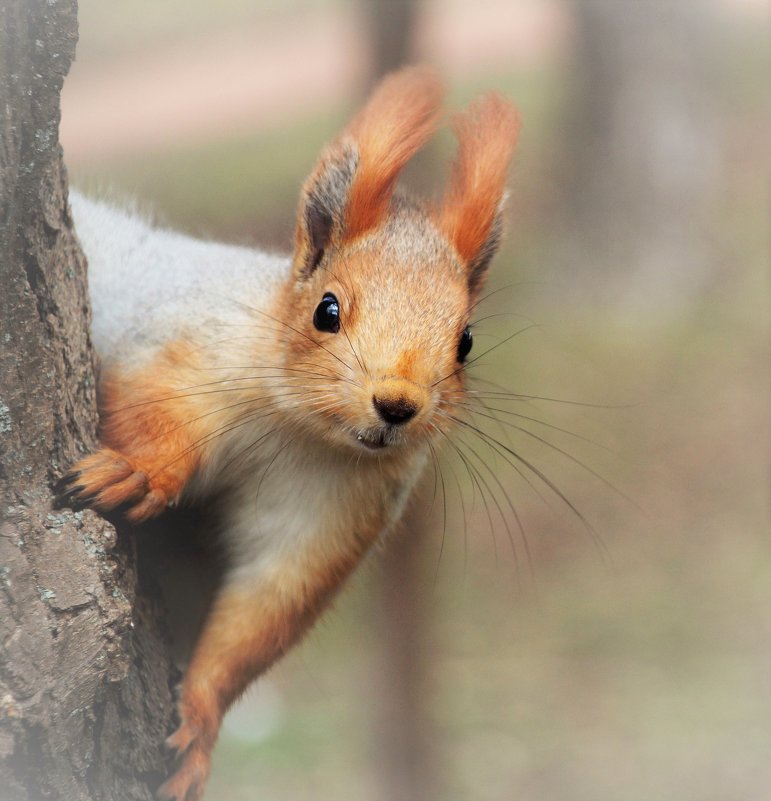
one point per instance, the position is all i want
(189, 779)
(107, 480)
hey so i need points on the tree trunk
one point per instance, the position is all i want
(406, 764)
(402, 726)
(391, 27)
(84, 673)
(641, 145)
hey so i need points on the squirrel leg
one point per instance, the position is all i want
(248, 629)
(151, 449)
(109, 479)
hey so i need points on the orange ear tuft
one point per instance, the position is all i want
(469, 215)
(398, 119)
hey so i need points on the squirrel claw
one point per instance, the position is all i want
(69, 496)
(107, 481)
(188, 780)
(62, 485)
(72, 497)
(179, 742)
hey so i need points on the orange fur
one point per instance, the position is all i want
(398, 120)
(248, 629)
(149, 448)
(408, 365)
(487, 134)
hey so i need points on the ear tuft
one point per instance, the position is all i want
(400, 116)
(470, 214)
(350, 189)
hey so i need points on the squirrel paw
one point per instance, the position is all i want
(188, 781)
(106, 480)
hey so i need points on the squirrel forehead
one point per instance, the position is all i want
(406, 244)
(399, 289)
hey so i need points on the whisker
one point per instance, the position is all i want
(602, 549)
(342, 324)
(564, 453)
(296, 331)
(210, 436)
(467, 364)
(504, 288)
(444, 513)
(464, 514)
(180, 395)
(567, 431)
(505, 394)
(475, 477)
(515, 513)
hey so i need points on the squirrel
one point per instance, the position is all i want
(307, 391)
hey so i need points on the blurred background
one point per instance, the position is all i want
(589, 620)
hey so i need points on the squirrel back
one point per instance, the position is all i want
(147, 284)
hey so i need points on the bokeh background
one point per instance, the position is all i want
(626, 656)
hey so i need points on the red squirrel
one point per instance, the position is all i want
(306, 390)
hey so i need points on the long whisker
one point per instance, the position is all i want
(475, 478)
(505, 394)
(503, 289)
(564, 453)
(444, 511)
(602, 549)
(220, 431)
(296, 331)
(464, 514)
(224, 390)
(515, 513)
(511, 413)
(342, 323)
(465, 366)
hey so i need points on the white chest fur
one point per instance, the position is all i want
(300, 502)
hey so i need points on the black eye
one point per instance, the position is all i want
(464, 346)
(327, 314)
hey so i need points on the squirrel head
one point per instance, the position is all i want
(383, 286)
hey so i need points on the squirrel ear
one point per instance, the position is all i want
(471, 211)
(350, 189)
(322, 206)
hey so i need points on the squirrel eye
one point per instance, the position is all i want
(464, 346)
(327, 314)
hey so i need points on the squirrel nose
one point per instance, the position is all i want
(395, 411)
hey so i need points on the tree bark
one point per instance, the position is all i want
(85, 700)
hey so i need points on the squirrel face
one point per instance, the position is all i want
(384, 320)
(383, 286)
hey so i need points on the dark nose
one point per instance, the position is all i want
(395, 410)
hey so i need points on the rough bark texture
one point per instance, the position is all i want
(84, 674)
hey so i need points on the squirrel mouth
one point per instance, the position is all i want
(374, 440)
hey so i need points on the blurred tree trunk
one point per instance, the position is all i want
(405, 761)
(84, 674)
(641, 149)
(392, 25)
(405, 742)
